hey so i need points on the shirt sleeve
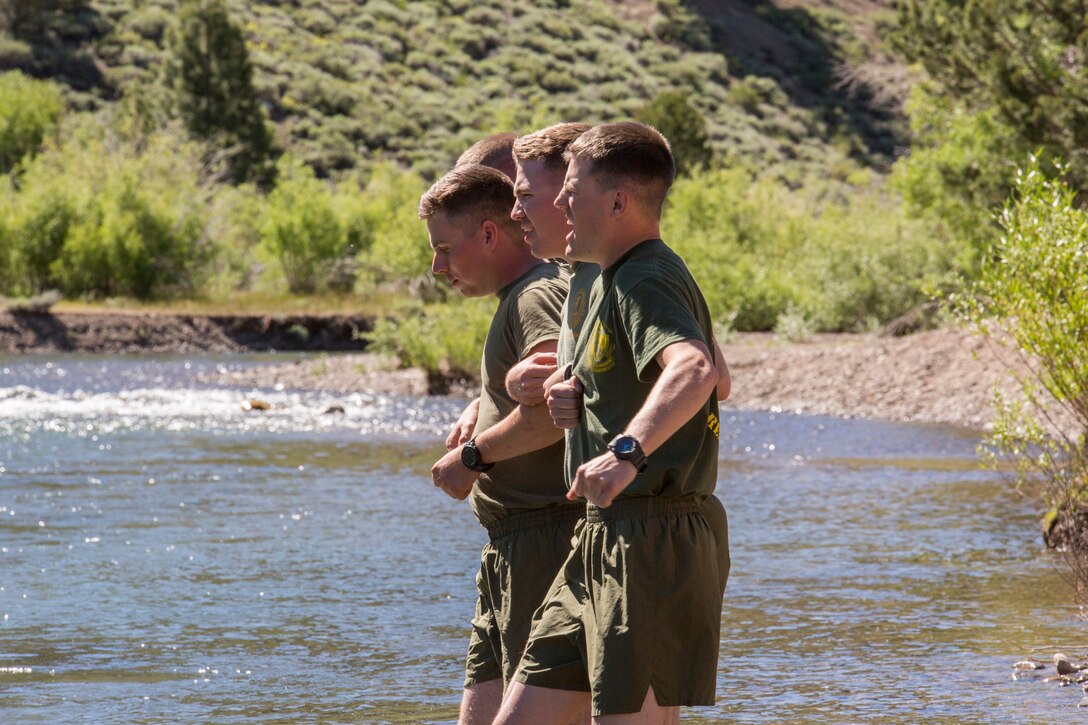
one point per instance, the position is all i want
(655, 313)
(539, 315)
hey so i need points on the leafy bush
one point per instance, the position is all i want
(399, 250)
(309, 231)
(98, 216)
(29, 111)
(958, 170)
(672, 114)
(1032, 293)
(444, 339)
(761, 251)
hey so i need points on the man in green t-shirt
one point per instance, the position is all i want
(521, 500)
(541, 168)
(634, 616)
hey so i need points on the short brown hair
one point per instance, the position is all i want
(549, 144)
(628, 152)
(494, 151)
(471, 194)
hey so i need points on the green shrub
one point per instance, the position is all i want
(29, 111)
(958, 171)
(1032, 294)
(99, 216)
(399, 250)
(444, 339)
(307, 230)
(682, 124)
(760, 251)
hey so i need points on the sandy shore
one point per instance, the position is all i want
(944, 376)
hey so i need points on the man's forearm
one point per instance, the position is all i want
(687, 380)
(526, 429)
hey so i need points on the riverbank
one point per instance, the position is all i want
(945, 376)
(137, 332)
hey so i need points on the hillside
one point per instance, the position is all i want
(791, 88)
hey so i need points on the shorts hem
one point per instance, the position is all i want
(472, 680)
(626, 709)
(541, 679)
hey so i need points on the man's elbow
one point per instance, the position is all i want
(703, 374)
(724, 387)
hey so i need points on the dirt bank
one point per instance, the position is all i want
(155, 332)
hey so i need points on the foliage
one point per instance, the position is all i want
(444, 339)
(98, 216)
(761, 251)
(672, 114)
(958, 170)
(312, 230)
(1032, 293)
(398, 251)
(1008, 79)
(29, 111)
(350, 84)
(21, 15)
(213, 77)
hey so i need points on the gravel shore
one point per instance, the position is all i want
(946, 376)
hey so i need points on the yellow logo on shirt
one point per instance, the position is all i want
(602, 349)
(713, 424)
(577, 311)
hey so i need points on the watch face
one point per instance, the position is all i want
(469, 457)
(625, 445)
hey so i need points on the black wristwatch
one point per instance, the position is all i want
(470, 456)
(627, 448)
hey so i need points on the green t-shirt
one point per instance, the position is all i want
(640, 305)
(583, 274)
(528, 314)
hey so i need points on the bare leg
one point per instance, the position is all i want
(480, 703)
(533, 705)
(651, 714)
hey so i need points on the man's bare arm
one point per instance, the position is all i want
(528, 428)
(525, 381)
(465, 425)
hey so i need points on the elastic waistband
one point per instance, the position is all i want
(550, 516)
(641, 507)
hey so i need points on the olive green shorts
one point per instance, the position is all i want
(517, 568)
(638, 603)
(714, 512)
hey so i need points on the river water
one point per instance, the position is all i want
(166, 556)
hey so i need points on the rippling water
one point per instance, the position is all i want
(166, 556)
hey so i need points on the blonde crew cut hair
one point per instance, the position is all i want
(470, 195)
(549, 144)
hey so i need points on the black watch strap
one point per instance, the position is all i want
(471, 458)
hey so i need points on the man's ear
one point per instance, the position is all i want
(621, 202)
(490, 234)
